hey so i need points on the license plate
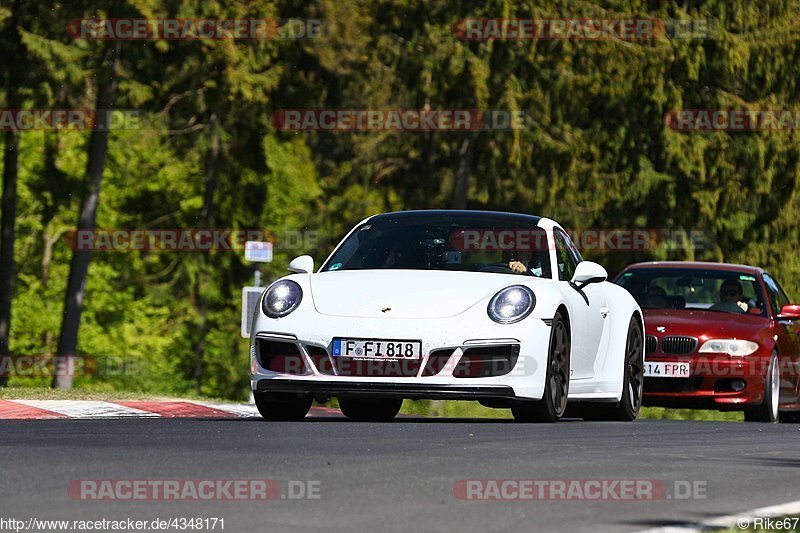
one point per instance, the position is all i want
(666, 370)
(377, 348)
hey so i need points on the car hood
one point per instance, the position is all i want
(403, 293)
(700, 323)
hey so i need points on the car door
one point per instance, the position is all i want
(589, 309)
(788, 341)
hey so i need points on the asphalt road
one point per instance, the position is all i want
(400, 476)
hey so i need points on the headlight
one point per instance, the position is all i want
(729, 346)
(281, 298)
(512, 304)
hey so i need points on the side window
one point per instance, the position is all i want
(573, 251)
(777, 298)
(565, 258)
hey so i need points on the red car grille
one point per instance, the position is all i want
(678, 345)
(650, 344)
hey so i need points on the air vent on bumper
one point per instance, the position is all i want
(436, 361)
(487, 361)
(278, 356)
(319, 356)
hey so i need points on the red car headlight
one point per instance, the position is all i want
(734, 347)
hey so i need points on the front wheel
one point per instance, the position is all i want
(767, 411)
(282, 407)
(552, 405)
(370, 409)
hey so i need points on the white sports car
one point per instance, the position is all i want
(456, 305)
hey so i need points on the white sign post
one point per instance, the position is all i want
(257, 252)
(250, 297)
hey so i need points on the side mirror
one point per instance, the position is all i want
(791, 312)
(302, 265)
(588, 272)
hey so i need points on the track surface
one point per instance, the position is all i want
(399, 476)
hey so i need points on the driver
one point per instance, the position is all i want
(730, 297)
(518, 265)
(518, 261)
(534, 263)
(656, 297)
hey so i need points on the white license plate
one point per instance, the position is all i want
(377, 348)
(666, 370)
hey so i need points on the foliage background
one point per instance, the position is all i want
(595, 153)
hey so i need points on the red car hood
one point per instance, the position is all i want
(700, 323)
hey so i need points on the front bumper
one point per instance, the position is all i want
(458, 339)
(415, 391)
(710, 384)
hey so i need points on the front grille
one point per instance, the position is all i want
(487, 361)
(678, 345)
(650, 344)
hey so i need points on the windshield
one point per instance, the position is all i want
(678, 288)
(458, 242)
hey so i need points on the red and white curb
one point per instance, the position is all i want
(90, 409)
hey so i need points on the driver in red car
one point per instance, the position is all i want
(730, 297)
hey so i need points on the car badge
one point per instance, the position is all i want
(386, 309)
(661, 329)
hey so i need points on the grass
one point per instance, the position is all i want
(661, 413)
(46, 393)
(454, 409)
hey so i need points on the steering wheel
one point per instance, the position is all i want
(497, 268)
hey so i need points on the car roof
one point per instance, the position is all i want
(727, 267)
(519, 217)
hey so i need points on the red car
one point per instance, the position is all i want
(718, 336)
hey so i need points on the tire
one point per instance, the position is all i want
(284, 408)
(370, 409)
(627, 409)
(556, 384)
(767, 410)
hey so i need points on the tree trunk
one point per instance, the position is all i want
(208, 216)
(79, 265)
(9, 199)
(461, 187)
(9, 202)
